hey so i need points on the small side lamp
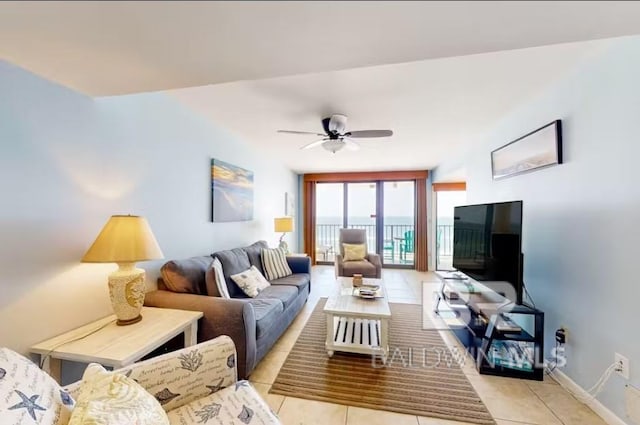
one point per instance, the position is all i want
(283, 225)
(125, 240)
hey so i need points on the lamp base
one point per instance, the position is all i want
(126, 290)
(283, 246)
(128, 322)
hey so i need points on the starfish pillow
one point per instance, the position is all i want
(28, 395)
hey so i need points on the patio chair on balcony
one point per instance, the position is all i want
(326, 251)
(389, 246)
(406, 245)
(370, 267)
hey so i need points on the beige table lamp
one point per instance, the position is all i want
(125, 240)
(283, 225)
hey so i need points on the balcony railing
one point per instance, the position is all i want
(444, 240)
(397, 243)
(444, 246)
(397, 247)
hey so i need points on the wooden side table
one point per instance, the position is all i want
(116, 346)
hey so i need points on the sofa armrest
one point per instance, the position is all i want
(338, 265)
(375, 260)
(299, 264)
(183, 376)
(222, 316)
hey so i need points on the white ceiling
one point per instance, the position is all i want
(422, 69)
(108, 48)
(436, 108)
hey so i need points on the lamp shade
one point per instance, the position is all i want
(125, 238)
(283, 224)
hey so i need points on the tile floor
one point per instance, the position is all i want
(510, 401)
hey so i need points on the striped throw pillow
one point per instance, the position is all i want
(274, 263)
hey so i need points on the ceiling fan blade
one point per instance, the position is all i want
(351, 145)
(363, 134)
(313, 144)
(300, 132)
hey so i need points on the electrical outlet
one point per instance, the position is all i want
(622, 366)
(566, 333)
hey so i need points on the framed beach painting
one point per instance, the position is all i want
(289, 204)
(539, 149)
(231, 192)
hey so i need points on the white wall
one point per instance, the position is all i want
(68, 162)
(580, 235)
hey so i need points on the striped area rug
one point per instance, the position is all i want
(421, 376)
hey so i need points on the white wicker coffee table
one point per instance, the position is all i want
(357, 325)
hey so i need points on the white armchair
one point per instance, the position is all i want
(194, 385)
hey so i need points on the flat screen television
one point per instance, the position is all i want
(487, 246)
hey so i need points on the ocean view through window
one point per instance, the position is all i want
(385, 210)
(445, 203)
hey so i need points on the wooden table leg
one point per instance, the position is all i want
(330, 333)
(53, 367)
(191, 334)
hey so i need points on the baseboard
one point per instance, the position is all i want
(600, 409)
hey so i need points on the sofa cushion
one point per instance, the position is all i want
(363, 267)
(299, 280)
(233, 261)
(254, 252)
(266, 312)
(28, 395)
(299, 264)
(286, 294)
(237, 404)
(186, 275)
(216, 285)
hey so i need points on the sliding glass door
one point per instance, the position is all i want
(385, 210)
(329, 220)
(398, 219)
(361, 212)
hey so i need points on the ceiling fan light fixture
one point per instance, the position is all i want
(333, 145)
(338, 123)
(335, 136)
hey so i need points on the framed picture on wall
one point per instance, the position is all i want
(539, 149)
(231, 192)
(289, 204)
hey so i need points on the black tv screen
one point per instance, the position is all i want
(487, 245)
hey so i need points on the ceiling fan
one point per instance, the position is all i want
(336, 137)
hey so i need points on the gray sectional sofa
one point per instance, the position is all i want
(254, 324)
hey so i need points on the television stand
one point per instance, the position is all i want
(504, 338)
(452, 276)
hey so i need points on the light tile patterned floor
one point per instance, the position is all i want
(510, 401)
